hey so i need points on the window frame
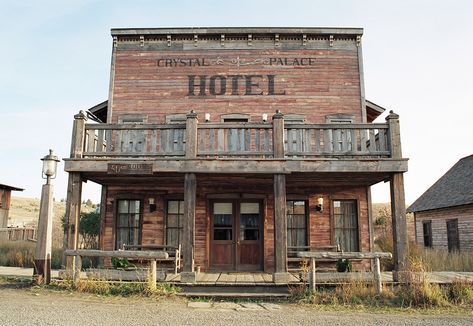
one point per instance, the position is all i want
(357, 220)
(180, 221)
(140, 224)
(306, 215)
(449, 241)
(235, 118)
(424, 235)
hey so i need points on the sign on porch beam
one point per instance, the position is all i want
(129, 168)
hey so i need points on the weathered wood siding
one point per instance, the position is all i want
(5, 197)
(439, 218)
(142, 84)
(212, 188)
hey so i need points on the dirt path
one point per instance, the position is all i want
(42, 307)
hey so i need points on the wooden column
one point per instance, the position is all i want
(188, 275)
(74, 190)
(399, 226)
(73, 206)
(398, 202)
(191, 135)
(280, 222)
(280, 229)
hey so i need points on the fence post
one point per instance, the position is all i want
(377, 276)
(152, 274)
(312, 275)
(77, 269)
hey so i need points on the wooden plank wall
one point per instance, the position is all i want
(439, 218)
(330, 85)
(209, 188)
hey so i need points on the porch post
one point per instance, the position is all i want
(280, 229)
(73, 202)
(188, 275)
(399, 226)
(398, 203)
(74, 192)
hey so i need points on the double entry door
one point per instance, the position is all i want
(236, 235)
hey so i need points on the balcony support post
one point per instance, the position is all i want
(398, 204)
(188, 274)
(280, 229)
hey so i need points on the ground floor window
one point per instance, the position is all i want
(427, 233)
(174, 216)
(346, 224)
(128, 222)
(296, 223)
(452, 235)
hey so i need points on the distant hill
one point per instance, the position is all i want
(25, 212)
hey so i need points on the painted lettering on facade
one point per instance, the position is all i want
(237, 61)
(203, 85)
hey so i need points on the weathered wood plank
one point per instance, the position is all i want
(135, 254)
(342, 255)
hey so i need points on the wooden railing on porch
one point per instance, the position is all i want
(236, 140)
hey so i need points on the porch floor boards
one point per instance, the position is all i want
(260, 278)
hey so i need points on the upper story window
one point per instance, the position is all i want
(339, 118)
(132, 118)
(235, 118)
(294, 118)
(176, 118)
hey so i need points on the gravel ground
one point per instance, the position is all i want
(41, 307)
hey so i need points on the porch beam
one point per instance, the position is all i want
(190, 184)
(229, 165)
(280, 229)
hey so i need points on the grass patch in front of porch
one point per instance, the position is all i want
(119, 288)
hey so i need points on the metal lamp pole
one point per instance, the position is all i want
(42, 257)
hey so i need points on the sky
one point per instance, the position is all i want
(55, 61)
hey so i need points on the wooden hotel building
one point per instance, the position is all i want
(239, 145)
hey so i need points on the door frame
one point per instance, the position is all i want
(236, 266)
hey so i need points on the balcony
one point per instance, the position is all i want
(276, 146)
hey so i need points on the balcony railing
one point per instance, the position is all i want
(243, 140)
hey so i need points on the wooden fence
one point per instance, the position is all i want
(314, 255)
(18, 234)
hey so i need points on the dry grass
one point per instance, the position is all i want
(442, 260)
(118, 288)
(21, 254)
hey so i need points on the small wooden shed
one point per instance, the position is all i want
(5, 196)
(444, 213)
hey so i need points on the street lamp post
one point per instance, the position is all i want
(42, 258)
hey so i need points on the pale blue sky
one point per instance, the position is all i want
(55, 61)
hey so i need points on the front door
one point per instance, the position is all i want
(236, 237)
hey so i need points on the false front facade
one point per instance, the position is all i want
(239, 145)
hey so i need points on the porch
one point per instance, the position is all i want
(273, 159)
